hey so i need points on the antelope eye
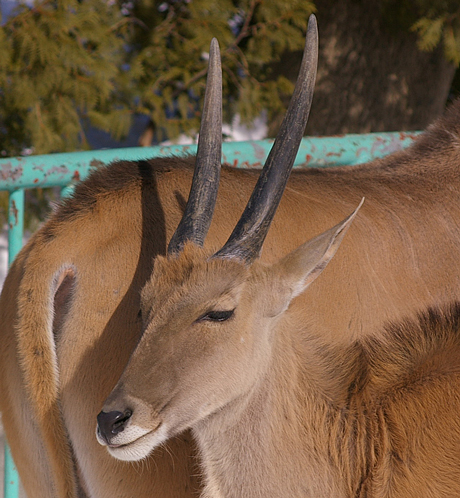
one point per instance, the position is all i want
(216, 316)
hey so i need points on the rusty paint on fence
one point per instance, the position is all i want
(13, 218)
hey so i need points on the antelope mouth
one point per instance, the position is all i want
(125, 445)
(139, 448)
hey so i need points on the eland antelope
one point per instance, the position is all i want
(82, 295)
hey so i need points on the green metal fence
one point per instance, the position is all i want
(64, 170)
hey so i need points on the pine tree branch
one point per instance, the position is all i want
(245, 31)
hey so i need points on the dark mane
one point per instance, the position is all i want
(121, 176)
(414, 351)
(119, 179)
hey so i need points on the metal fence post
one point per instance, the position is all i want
(11, 478)
(15, 223)
(15, 233)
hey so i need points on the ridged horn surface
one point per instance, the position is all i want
(195, 222)
(247, 238)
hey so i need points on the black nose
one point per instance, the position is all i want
(111, 423)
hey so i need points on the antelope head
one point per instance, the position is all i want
(209, 318)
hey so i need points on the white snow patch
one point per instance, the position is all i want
(238, 132)
(232, 132)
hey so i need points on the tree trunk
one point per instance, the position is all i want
(371, 76)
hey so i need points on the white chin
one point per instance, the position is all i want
(140, 448)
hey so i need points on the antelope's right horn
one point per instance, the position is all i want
(203, 193)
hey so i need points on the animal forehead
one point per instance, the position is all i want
(193, 270)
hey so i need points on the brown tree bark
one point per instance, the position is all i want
(371, 76)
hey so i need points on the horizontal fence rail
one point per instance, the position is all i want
(66, 169)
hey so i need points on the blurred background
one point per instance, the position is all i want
(79, 74)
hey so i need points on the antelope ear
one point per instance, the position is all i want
(296, 271)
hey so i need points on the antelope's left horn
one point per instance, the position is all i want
(247, 238)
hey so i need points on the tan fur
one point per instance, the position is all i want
(401, 255)
(277, 411)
